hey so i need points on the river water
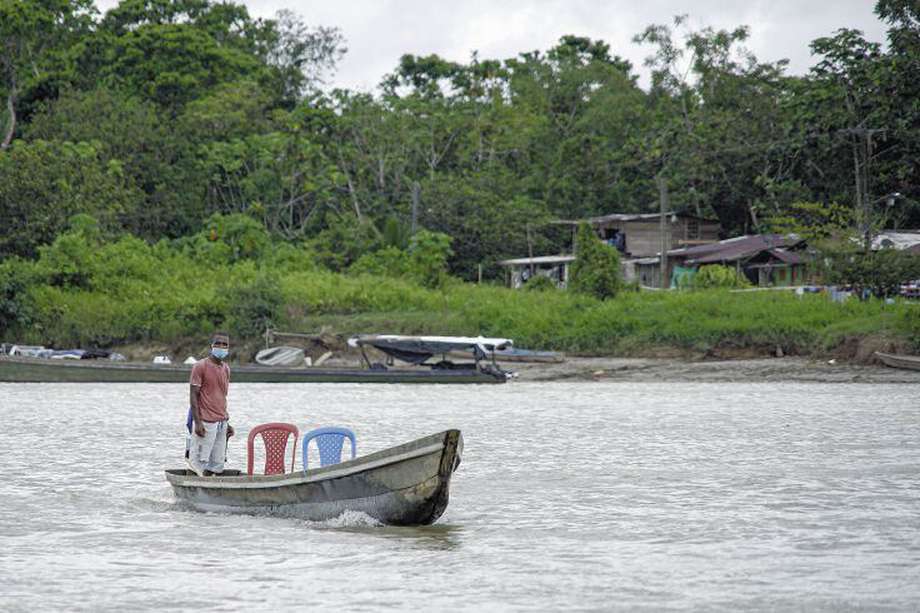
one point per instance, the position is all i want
(571, 496)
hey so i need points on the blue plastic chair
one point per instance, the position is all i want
(329, 441)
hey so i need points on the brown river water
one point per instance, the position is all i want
(652, 494)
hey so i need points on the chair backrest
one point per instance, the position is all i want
(275, 436)
(329, 441)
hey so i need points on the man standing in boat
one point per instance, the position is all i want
(209, 383)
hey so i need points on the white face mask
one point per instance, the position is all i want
(219, 352)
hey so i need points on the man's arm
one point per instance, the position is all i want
(193, 392)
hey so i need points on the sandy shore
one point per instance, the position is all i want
(771, 370)
(739, 369)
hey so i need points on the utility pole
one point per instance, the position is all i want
(416, 192)
(862, 146)
(530, 249)
(663, 228)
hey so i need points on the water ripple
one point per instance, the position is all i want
(583, 496)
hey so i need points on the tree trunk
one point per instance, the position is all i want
(11, 129)
(663, 229)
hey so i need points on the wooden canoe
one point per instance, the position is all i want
(36, 370)
(407, 485)
(907, 362)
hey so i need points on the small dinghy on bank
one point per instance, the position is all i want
(281, 356)
(904, 362)
(407, 485)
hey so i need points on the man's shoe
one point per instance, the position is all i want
(193, 468)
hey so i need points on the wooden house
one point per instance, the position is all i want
(638, 235)
(767, 260)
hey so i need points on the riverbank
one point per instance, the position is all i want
(128, 292)
(663, 365)
(765, 370)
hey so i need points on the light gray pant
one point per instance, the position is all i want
(209, 452)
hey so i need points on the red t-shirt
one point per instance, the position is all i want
(214, 380)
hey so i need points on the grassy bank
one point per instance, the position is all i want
(86, 293)
(129, 293)
(714, 322)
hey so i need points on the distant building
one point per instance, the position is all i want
(767, 260)
(639, 235)
(635, 235)
(555, 267)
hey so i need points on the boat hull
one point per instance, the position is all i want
(24, 370)
(519, 355)
(408, 485)
(906, 362)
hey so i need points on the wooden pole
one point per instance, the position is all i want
(530, 250)
(663, 228)
(416, 192)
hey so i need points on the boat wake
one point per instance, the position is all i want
(348, 519)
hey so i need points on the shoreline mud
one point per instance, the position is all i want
(858, 367)
(767, 370)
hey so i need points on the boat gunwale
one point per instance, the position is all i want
(895, 360)
(379, 459)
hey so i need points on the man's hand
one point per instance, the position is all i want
(199, 429)
(230, 431)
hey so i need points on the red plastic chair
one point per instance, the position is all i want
(275, 436)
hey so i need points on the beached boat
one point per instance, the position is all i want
(420, 349)
(281, 356)
(37, 370)
(514, 354)
(407, 485)
(907, 362)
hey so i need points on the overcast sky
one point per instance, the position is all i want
(378, 32)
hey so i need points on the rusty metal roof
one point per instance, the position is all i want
(739, 248)
(630, 217)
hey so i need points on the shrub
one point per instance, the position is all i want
(718, 276)
(343, 241)
(16, 309)
(596, 269)
(246, 237)
(285, 256)
(69, 261)
(428, 254)
(881, 272)
(389, 262)
(396, 234)
(255, 305)
(540, 283)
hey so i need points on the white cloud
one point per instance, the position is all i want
(378, 32)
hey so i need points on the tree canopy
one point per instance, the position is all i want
(158, 114)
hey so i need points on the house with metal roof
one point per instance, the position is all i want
(638, 235)
(767, 260)
(635, 235)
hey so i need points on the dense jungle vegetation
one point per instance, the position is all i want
(168, 166)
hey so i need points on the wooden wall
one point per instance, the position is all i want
(643, 237)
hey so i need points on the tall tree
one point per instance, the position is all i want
(34, 37)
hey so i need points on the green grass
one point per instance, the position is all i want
(126, 292)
